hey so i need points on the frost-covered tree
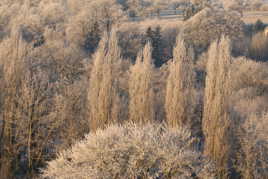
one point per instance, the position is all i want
(180, 94)
(141, 94)
(28, 121)
(217, 119)
(103, 94)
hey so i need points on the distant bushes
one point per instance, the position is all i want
(258, 48)
(132, 40)
(132, 151)
(257, 41)
(252, 29)
(193, 8)
(199, 31)
(264, 7)
(210, 24)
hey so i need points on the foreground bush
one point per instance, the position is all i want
(130, 151)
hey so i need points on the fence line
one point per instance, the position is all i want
(162, 14)
(178, 14)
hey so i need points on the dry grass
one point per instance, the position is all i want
(254, 19)
(143, 25)
(250, 17)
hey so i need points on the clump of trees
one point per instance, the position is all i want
(28, 122)
(258, 47)
(221, 121)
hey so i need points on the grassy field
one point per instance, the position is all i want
(249, 17)
(253, 16)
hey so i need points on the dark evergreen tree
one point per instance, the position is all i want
(39, 41)
(92, 38)
(258, 26)
(190, 11)
(149, 35)
(154, 36)
(157, 53)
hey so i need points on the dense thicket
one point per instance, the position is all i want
(68, 68)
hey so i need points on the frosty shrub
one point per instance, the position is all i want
(251, 87)
(253, 161)
(132, 151)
